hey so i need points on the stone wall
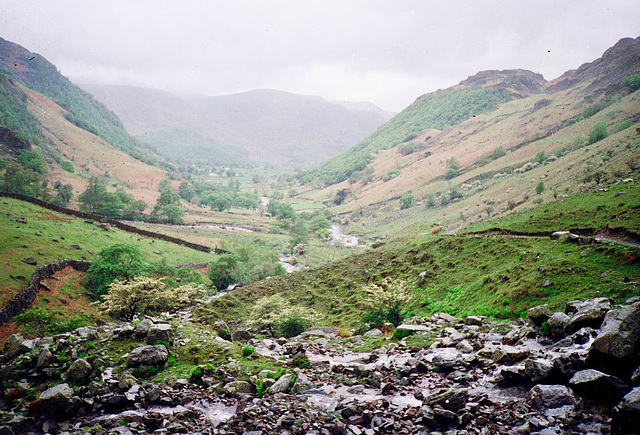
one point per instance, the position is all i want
(20, 302)
(115, 223)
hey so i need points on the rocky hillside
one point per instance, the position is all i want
(266, 126)
(573, 371)
(483, 147)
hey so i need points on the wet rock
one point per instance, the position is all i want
(518, 334)
(539, 370)
(538, 315)
(445, 417)
(44, 358)
(595, 383)
(619, 337)
(556, 323)
(514, 375)
(586, 314)
(509, 354)
(626, 414)
(53, 402)
(17, 345)
(127, 381)
(240, 335)
(544, 397)
(160, 332)
(568, 364)
(464, 346)
(148, 355)
(452, 399)
(238, 387)
(30, 260)
(282, 384)
(79, 371)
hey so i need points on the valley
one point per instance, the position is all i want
(469, 265)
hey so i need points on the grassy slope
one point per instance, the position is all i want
(21, 240)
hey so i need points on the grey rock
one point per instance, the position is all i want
(240, 335)
(238, 387)
(148, 355)
(282, 384)
(545, 397)
(79, 371)
(87, 333)
(127, 381)
(602, 304)
(16, 345)
(538, 315)
(54, 401)
(143, 327)
(374, 333)
(514, 375)
(590, 318)
(412, 328)
(445, 417)
(598, 384)
(619, 337)
(626, 414)
(159, 332)
(473, 320)
(518, 334)
(301, 384)
(557, 322)
(452, 399)
(509, 354)
(464, 346)
(44, 358)
(30, 260)
(539, 370)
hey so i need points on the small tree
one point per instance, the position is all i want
(598, 133)
(498, 152)
(278, 315)
(539, 187)
(451, 173)
(406, 201)
(386, 302)
(119, 261)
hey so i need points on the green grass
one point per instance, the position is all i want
(617, 207)
(58, 231)
(463, 275)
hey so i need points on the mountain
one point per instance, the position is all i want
(483, 147)
(77, 136)
(264, 126)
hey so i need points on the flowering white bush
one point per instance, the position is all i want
(279, 315)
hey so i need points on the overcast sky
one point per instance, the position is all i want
(386, 52)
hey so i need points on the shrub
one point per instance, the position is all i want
(278, 315)
(540, 157)
(119, 261)
(431, 201)
(539, 187)
(632, 82)
(399, 335)
(247, 350)
(301, 361)
(454, 193)
(386, 302)
(598, 133)
(498, 152)
(143, 294)
(624, 125)
(451, 173)
(406, 201)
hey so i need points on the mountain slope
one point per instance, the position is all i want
(536, 147)
(38, 74)
(264, 125)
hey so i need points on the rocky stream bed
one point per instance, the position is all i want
(574, 371)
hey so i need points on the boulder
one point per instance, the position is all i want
(374, 333)
(238, 387)
(539, 371)
(160, 332)
(44, 358)
(30, 260)
(240, 335)
(626, 414)
(473, 320)
(143, 327)
(556, 323)
(595, 383)
(16, 345)
(509, 354)
(412, 328)
(543, 397)
(301, 384)
(148, 355)
(452, 399)
(79, 371)
(538, 315)
(54, 401)
(619, 337)
(282, 384)
(87, 333)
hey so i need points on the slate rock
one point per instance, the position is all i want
(452, 399)
(539, 370)
(238, 387)
(557, 322)
(538, 315)
(143, 327)
(595, 383)
(544, 397)
(30, 260)
(44, 358)
(240, 335)
(301, 384)
(148, 355)
(509, 354)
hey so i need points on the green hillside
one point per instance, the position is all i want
(432, 111)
